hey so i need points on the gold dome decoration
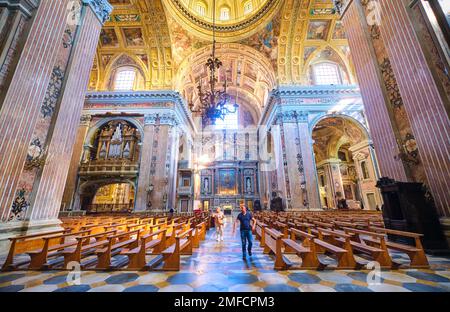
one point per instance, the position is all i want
(234, 22)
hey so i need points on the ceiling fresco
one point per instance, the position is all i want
(168, 48)
(332, 133)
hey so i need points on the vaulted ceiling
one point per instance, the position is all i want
(332, 133)
(273, 44)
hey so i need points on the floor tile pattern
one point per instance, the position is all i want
(219, 267)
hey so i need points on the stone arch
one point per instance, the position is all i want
(101, 122)
(313, 123)
(88, 189)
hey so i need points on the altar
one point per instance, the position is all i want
(228, 185)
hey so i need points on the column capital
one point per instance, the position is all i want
(150, 119)
(85, 120)
(168, 119)
(101, 8)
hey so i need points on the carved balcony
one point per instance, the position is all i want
(109, 168)
(185, 191)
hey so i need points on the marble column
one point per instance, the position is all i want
(22, 106)
(48, 196)
(79, 151)
(21, 101)
(333, 179)
(144, 182)
(158, 166)
(173, 171)
(280, 175)
(309, 165)
(377, 106)
(425, 105)
(362, 152)
(298, 165)
(15, 19)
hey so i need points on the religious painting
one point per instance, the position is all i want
(133, 36)
(318, 30)
(108, 38)
(266, 41)
(227, 181)
(308, 51)
(348, 191)
(339, 32)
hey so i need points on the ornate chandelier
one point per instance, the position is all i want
(213, 103)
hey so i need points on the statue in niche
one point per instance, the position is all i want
(206, 185)
(248, 185)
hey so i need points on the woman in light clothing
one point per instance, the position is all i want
(218, 223)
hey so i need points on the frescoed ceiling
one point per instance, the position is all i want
(331, 133)
(161, 39)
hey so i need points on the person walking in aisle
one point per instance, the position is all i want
(247, 224)
(218, 223)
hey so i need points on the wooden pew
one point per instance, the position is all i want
(39, 257)
(172, 254)
(85, 247)
(24, 243)
(416, 254)
(381, 254)
(260, 228)
(199, 235)
(306, 251)
(344, 260)
(282, 227)
(154, 242)
(172, 231)
(273, 245)
(115, 244)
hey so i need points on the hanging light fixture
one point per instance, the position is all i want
(214, 104)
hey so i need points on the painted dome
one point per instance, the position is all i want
(233, 17)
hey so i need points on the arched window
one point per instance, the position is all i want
(124, 79)
(230, 121)
(326, 73)
(224, 14)
(200, 7)
(248, 7)
(364, 170)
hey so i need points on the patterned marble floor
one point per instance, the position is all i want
(219, 267)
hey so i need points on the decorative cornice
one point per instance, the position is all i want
(25, 6)
(101, 8)
(316, 91)
(292, 116)
(299, 98)
(124, 98)
(162, 119)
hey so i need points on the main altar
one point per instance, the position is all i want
(227, 184)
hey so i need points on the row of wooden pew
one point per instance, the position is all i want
(352, 243)
(109, 242)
